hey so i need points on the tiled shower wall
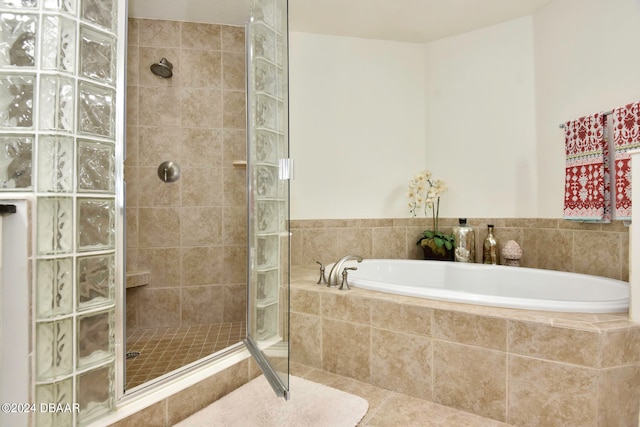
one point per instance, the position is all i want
(191, 234)
(554, 244)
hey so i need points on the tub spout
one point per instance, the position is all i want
(337, 267)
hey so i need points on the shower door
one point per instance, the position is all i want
(268, 169)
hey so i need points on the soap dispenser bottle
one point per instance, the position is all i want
(464, 242)
(490, 248)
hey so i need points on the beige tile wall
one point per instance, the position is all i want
(191, 234)
(522, 367)
(554, 244)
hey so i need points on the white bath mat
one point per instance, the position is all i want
(256, 405)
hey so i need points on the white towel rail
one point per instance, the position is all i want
(606, 113)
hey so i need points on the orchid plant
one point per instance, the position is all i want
(424, 195)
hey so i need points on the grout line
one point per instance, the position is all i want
(161, 347)
(370, 416)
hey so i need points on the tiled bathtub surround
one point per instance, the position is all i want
(191, 234)
(525, 368)
(554, 244)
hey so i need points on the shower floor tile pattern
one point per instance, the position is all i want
(163, 350)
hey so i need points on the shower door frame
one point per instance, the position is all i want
(255, 347)
(268, 334)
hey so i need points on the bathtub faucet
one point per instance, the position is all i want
(335, 270)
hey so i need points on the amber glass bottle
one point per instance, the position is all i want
(490, 248)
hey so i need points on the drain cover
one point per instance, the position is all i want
(132, 354)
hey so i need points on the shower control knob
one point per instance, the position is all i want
(169, 171)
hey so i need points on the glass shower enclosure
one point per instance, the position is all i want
(268, 174)
(62, 71)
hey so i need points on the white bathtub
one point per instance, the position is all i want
(511, 287)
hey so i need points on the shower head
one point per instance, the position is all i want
(162, 69)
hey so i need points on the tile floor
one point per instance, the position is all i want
(164, 349)
(391, 409)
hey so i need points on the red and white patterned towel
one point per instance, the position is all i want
(626, 137)
(587, 183)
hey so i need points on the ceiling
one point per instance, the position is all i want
(416, 21)
(230, 12)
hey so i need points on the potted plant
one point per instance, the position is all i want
(424, 193)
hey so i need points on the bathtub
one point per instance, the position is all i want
(492, 285)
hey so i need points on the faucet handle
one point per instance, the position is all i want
(344, 286)
(323, 278)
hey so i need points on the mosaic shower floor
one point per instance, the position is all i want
(163, 350)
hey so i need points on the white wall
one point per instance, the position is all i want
(587, 59)
(14, 311)
(357, 125)
(480, 120)
(480, 109)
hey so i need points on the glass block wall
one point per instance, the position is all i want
(58, 62)
(268, 186)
